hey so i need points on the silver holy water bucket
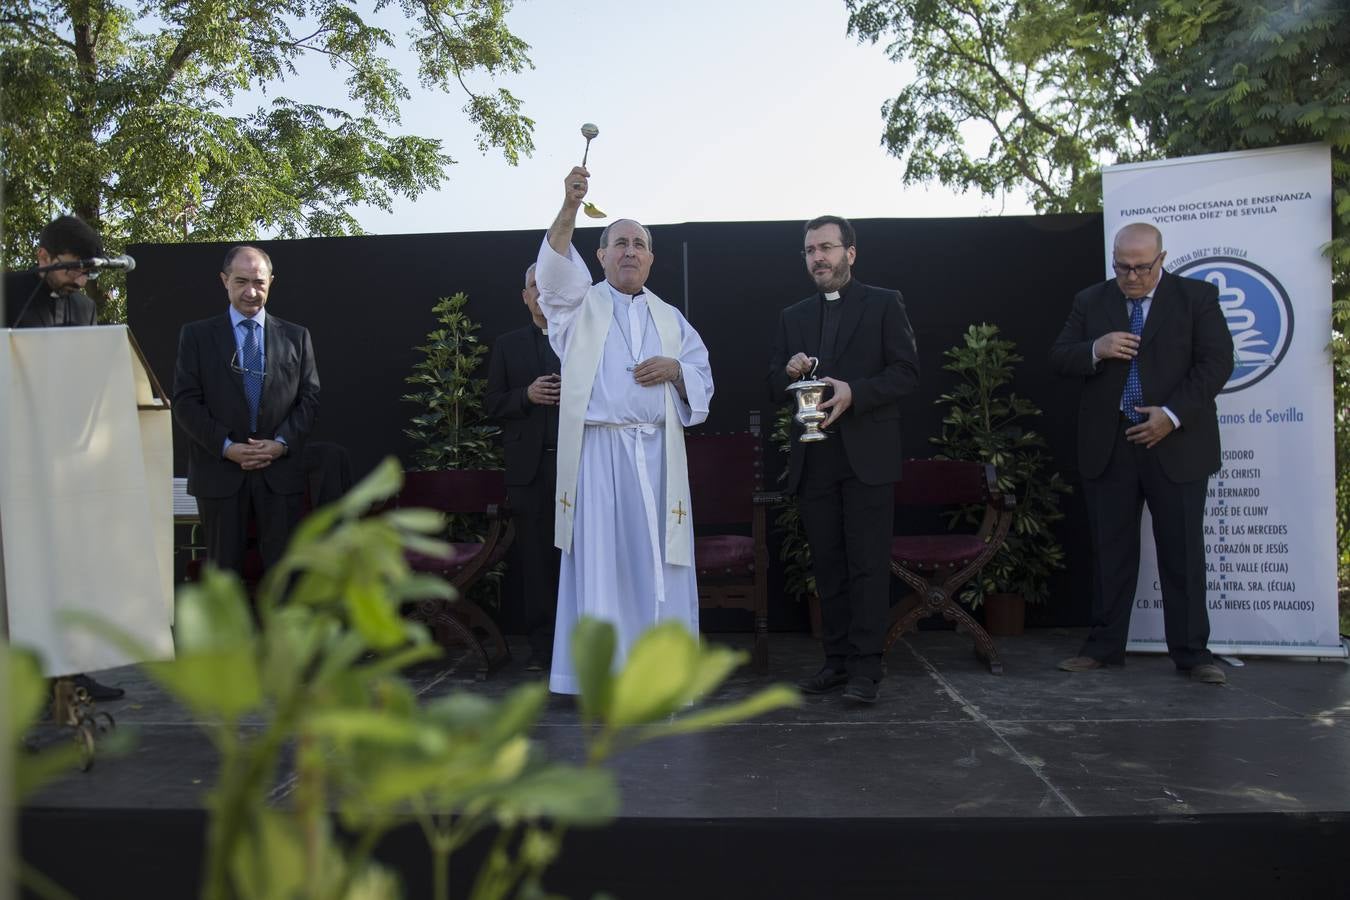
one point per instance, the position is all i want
(810, 393)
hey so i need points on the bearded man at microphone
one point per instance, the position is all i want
(53, 300)
(56, 298)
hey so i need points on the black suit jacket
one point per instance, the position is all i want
(209, 403)
(1185, 358)
(875, 353)
(76, 308)
(518, 358)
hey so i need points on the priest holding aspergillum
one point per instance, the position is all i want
(635, 373)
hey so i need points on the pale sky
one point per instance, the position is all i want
(708, 111)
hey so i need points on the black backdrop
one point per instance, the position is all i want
(367, 302)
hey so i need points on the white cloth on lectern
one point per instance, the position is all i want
(615, 569)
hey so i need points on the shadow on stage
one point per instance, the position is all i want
(1130, 782)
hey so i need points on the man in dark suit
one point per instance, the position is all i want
(55, 298)
(245, 393)
(862, 340)
(1153, 351)
(522, 394)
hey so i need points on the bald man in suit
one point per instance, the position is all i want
(246, 393)
(1153, 351)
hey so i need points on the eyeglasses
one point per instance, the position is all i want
(823, 249)
(237, 367)
(1138, 271)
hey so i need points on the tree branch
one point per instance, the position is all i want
(32, 25)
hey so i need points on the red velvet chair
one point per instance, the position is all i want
(936, 566)
(463, 622)
(731, 552)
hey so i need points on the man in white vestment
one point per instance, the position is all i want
(634, 374)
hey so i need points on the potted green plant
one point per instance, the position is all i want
(799, 580)
(451, 431)
(986, 422)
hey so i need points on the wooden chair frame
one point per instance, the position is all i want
(935, 588)
(751, 590)
(464, 622)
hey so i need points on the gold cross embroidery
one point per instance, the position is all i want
(563, 501)
(679, 512)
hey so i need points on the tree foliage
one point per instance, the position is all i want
(1067, 86)
(1007, 95)
(134, 115)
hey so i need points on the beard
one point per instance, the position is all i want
(830, 277)
(64, 290)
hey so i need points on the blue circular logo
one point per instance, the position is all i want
(1259, 314)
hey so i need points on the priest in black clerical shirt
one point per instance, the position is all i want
(54, 299)
(856, 338)
(522, 395)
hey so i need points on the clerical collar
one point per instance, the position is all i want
(833, 296)
(618, 293)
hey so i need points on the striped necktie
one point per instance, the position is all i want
(252, 365)
(1134, 388)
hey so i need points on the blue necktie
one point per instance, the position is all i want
(1134, 389)
(252, 365)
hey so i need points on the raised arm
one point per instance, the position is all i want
(575, 186)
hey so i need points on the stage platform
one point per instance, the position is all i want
(1129, 782)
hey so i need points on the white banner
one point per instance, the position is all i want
(1254, 224)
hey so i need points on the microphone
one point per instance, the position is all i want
(109, 262)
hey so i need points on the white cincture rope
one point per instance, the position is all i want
(636, 430)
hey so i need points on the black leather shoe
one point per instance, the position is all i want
(861, 690)
(824, 681)
(95, 690)
(537, 663)
(1208, 673)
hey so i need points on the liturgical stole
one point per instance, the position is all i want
(586, 345)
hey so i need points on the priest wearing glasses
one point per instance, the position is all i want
(857, 338)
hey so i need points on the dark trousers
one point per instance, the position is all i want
(225, 523)
(848, 525)
(532, 508)
(1115, 504)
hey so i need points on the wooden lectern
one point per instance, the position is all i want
(86, 509)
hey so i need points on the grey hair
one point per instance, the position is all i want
(604, 235)
(527, 273)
